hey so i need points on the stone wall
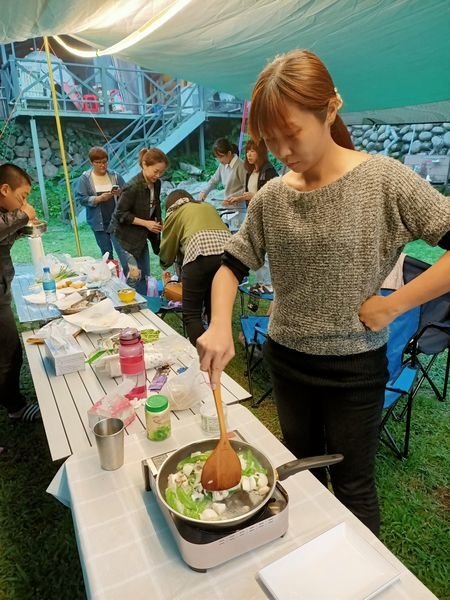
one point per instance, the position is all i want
(398, 140)
(16, 145)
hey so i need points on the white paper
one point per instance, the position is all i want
(100, 317)
(40, 297)
(337, 564)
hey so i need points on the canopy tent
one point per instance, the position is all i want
(384, 55)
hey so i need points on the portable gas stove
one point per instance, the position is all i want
(202, 549)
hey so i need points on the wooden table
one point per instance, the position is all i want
(41, 313)
(127, 551)
(65, 399)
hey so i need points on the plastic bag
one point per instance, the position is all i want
(115, 405)
(187, 389)
(97, 271)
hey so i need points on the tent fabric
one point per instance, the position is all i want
(382, 54)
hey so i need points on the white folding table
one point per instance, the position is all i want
(126, 548)
(64, 400)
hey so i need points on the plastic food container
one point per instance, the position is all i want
(157, 418)
(126, 294)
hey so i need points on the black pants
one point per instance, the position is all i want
(10, 362)
(333, 404)
(197, 277)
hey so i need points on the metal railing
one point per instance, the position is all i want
(105, 90)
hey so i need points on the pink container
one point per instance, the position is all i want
(132, 364)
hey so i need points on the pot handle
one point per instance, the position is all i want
(302, 464)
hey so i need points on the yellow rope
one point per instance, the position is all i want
(61, 146)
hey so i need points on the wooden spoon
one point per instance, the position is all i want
(222, 470)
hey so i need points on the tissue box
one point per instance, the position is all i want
(66, 359)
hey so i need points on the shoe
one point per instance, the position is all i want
(30, 413)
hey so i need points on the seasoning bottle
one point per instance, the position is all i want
(209, 419)
(132, 364)
(157, 418)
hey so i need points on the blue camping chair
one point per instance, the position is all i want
(433, 335)
(402, 379)
(254, 329)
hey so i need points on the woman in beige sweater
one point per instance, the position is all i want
(333, 228)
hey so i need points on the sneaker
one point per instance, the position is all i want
(30, 413)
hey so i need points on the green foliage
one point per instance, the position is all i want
(7, 129)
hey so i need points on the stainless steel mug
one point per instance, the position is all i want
(109, 435)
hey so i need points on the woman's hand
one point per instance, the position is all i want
(104, 197)
(154, 226)
(215, 349)
(376, 312)
(201, 196)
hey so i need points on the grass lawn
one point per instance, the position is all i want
(38, 553)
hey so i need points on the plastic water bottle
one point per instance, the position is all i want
(49, 285)
(132, 363)
(153, 299)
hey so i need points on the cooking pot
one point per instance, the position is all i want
(273, 475)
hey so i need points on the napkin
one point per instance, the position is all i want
(40, 297)
(100, 317)
(68, 301)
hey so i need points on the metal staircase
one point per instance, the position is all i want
(164, 125)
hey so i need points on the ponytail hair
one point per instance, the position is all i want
(152, 156)
(299, 77)
(223, 146)
(340, 134)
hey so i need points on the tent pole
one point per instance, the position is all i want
(37, 160)
(61, 144)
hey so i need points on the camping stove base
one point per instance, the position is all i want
(202, 549)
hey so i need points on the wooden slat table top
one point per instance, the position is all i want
(64, 400)
(41, 313)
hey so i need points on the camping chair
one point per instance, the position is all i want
(254, 330)
(433, 335)
(402, 378)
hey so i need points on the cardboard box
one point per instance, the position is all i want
(68, 359)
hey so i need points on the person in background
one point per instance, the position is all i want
(230, 172)
(333, 227)
(137, 217)
(194, 236)
(15, 212)
(259, 171)
(98, 189)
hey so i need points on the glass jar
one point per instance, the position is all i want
(157, 418)
(209, 419)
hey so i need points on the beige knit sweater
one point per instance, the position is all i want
(331, 248)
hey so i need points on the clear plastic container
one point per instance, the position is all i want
(209, 420)
(157, 418)
(49, 285)
(132, 364)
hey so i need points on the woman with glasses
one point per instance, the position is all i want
(138, 217)
(98, 189)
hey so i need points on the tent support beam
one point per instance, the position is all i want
(37, 160)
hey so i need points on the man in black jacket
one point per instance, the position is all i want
(15, 212)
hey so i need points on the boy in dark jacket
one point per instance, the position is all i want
(15, 212)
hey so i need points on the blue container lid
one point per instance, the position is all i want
(157, 403)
